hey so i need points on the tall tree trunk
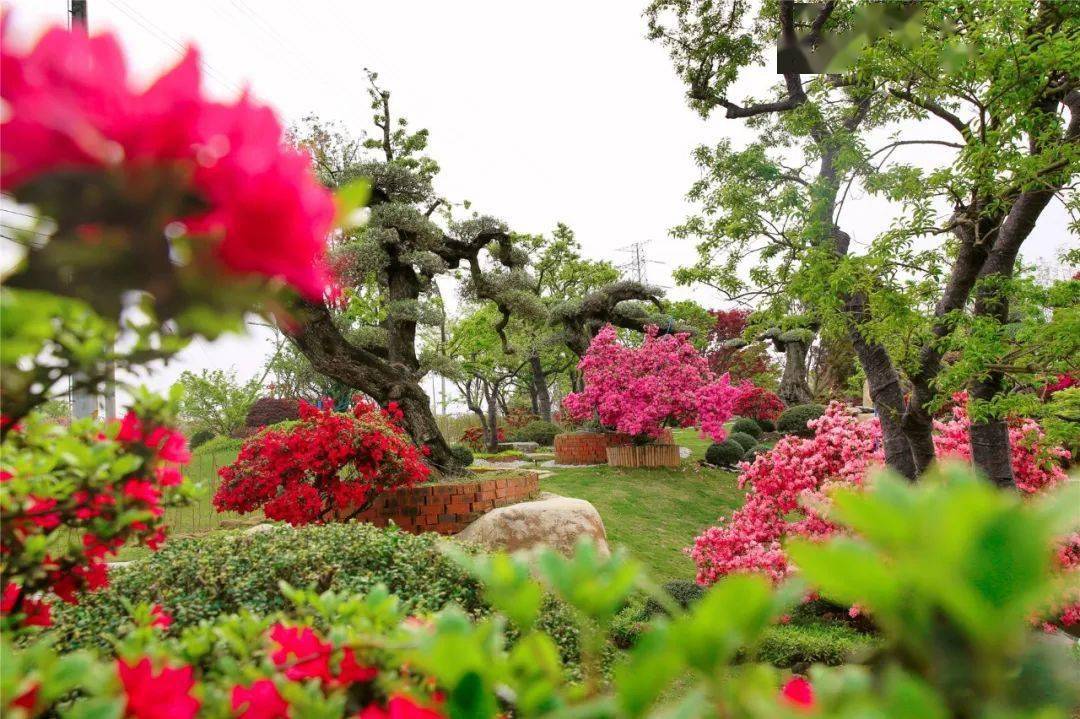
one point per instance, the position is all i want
(885, 391)
(332, 355)
(794, 388)
(492, 417)
(540, 388)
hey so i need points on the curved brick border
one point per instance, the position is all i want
(449, 508)
(591, 447)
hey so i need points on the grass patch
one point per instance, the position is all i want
(832, 643)
(655, 513)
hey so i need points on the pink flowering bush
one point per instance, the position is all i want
(250, 198)
(664, 382)
(788, 487)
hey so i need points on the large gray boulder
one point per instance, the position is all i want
(553, 521)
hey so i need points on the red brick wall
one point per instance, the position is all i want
(449, 508)
(591, 447)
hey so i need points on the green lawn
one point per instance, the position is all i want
(655, 513)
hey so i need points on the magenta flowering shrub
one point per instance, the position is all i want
(664, 382)
(788, 488)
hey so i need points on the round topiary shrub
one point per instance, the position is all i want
(753, 452)
(539, 431)
(793, 420)
(724, 454)
(684, 591)
(743, 439)
(461, 454)
(767, 425)
(199, 438)
(271, 410)
(746, 426)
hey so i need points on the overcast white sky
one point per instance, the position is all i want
(538, 112)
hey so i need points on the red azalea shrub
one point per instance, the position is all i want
(664, 382)
(100, 489)
(69, 105)
(788, 488)
(328, 461)
(473, 438)
(757, 403)
(1062, 381)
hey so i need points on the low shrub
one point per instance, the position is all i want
(767, 425)
(744, 440)
(197, 579)
(222, 573)
(473, 438)
(219, 444)
(724, 454)
(753, 452)
(271, 410)
(747, 426)
(539, 431)
(199, 437)
(793, 420)
(461, 454)
(684, 591)
(792, 645)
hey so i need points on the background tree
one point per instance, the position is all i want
(999, 89)
(367, 338)
(215, 400)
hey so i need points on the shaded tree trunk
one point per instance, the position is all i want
(384, 381)
(492, 417)
(794, 388)
(540, 392)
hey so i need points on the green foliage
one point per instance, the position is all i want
(461, 454)
(724, 454)
(744, 440)
(200, 578)
(684, 591)
(539, 431)
(748, 426)
(952, 569)
(216, 401)
(199, 437)
(767, 425)
(219, 444)
(753, 452)
(829, 643)
(793, 420)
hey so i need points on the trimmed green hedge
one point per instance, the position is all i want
(743, 439)
(219, 444)
(832, 643)
(793, 420)
(747, 426)
(462, 454)
(767, 425)
(724, 454)
(539, 431)
(753, 452)
(222, 573)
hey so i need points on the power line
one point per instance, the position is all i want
(154, 30)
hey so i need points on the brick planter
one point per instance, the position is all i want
(644, 455)
(591, 447)
(449, 508)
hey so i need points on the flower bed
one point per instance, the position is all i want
(447, 508)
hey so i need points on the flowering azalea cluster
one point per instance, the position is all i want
(757, 403)
(473, 437)
(70, 106)
(641, 390)
(99, 490)
(328, 462)
(788, 486)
